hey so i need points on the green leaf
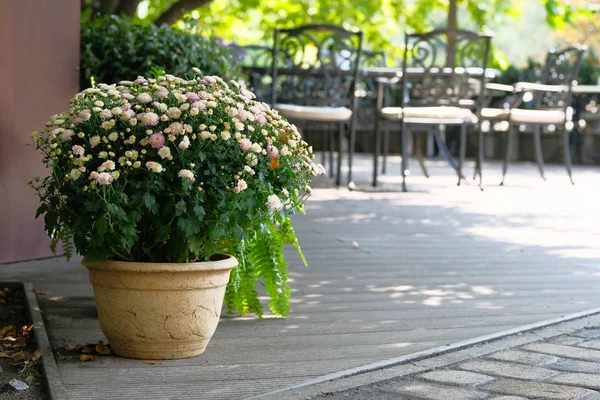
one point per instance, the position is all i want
(195, 244)
(180, 208)
(199, 212)
(150, 202)
(188, 226)
(116, 211)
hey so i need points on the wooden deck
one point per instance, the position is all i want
(390, 273)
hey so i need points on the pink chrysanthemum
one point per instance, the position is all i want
(157, 140)
(245, 144)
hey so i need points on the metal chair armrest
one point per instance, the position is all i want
(529, 86)
(500, 87)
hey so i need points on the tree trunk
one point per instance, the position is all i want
(127, 7)
(108, 6)
(178, 10)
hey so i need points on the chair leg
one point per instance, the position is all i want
(444, 151)
(539, 156)
(338, 178)
(462, 151)
(324, 141)
(331, 136)
(386, 149)
(351, 148)
(567, 150)
(376, 146)
(507, 149)
(404, 167)
(480, 156)
(419, 153)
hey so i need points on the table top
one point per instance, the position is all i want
(586, 89)
(394, 73)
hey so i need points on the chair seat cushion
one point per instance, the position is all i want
(425, 115)
(495, 113)
(537, 116)
(312, 113)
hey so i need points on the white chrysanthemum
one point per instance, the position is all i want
(239, 126)
(225, 135)
(154, 166)
(113, 136)
(107, 165)
(95, 141)
(186, 174)
(252, 159)
(75, 174)
(144, 98)
(185, 143)
(164, 152)
(256, 148)
(174, 112)
(274, 203)
(104, 178)
(78, 150)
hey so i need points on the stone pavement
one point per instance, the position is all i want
(559, 362)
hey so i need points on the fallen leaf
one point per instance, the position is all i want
(4, 355)
(9, 339)
(40, 292)
(8, 331)
(103, 349)
(57, 298)
(27, 330)
(20, 356)
(86, 357)
(77, 347)
(274, 163)
(152, 362)
(20, 342)
(37, 355)
(2, 293)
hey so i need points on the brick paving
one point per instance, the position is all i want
(562, 367)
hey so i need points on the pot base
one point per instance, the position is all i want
(157, 351)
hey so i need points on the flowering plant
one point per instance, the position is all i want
(176, 170)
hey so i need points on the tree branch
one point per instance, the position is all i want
(178, 10)
(127, 7)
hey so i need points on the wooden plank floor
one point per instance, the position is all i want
(390, 273)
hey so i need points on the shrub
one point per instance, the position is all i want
(114, 48)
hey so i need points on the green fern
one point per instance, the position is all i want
(262, 258)
(65, 236)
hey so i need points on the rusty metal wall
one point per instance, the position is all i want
(39, 59)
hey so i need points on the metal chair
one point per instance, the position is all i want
(550, 101)
(446, 70)
(314, 74)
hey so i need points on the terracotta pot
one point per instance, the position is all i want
(159, 310)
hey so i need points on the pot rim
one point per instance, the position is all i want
(228, 263)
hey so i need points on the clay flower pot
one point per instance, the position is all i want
(159, 310)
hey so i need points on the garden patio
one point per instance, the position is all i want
(389, 274)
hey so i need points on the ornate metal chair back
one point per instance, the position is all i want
(315, 65)
(447, 68)
(561, 68)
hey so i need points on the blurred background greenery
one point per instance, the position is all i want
(196, 32)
